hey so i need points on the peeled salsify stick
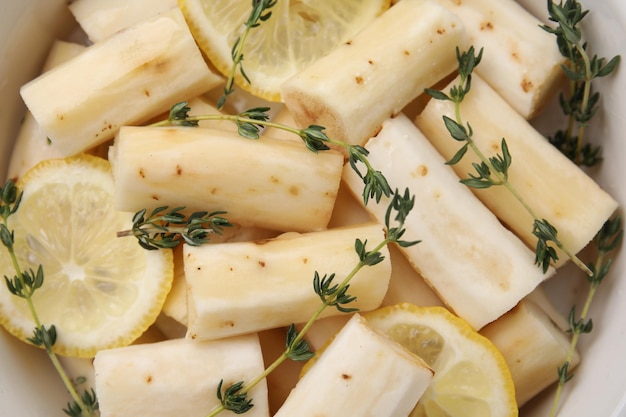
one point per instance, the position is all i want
(361, 373)
(553, 186)
(177, 377)
(269, 183)
(175, 305)
(533, 348)
(476, 266)
(235, 288)
(31, 145)
(520, 61)
(132, 76)
(100, 19)
(353, 89)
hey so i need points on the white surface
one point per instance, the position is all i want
(28, 386)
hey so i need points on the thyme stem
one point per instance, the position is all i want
(24, 285)
(259, 13)
(402, 204)
(494, 170)
(285, 354)
(607, 240)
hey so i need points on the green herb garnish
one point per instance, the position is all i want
(580, 104)
(165, 228)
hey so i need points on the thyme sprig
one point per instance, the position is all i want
(605, 242)
(259, 13)
(235, 396)
(164, 228)
(251, 122)
(493, 171)
(24, 284)
(581, 69)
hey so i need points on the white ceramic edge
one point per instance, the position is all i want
(599, 387)
(29, 386)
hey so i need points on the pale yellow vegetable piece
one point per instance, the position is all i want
(235, 288)
(177, 377)
(553, 186)
(353, 89)
(533, 347)
(176, 303)
(269, 183)
(132, 76)
(361, 373)
(100, 19)
(32, 145)
(478, 268)
(520, 60)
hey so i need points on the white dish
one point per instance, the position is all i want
(30, 388)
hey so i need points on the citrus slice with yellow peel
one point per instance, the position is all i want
(297, 33)
(99, 291)
(471, 377)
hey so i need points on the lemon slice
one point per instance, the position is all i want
(297, 33)
(471, 376)
(100, 291)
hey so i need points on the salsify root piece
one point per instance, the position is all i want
(175, 305)
(31, 145)
(478, 268)
(177, 377)
(269, 183)
(240, 287)
(126, 79)
(353, 89)
(521, 61)
(100, 19)
(555, 188)
(533, 348)
(361, 373)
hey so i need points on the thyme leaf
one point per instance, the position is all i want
(44, 337)
(333, 294)
(544, 253)
(297, 349)
(233, 398)
(89, 401)
(179, 115)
